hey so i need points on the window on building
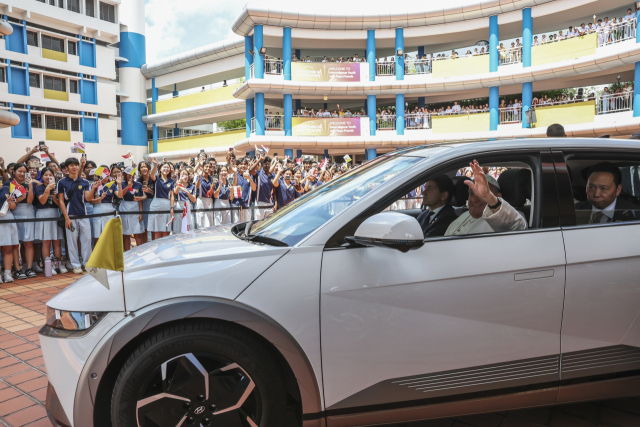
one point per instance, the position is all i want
(52, 43)
(59, 3)
(32, 38)
(71, 48)
(2, 79)
(36, 121)
(55, 83)
(107, 12)
(169, 133)
(118, 133)
(75, 124)
(118, 105)
(89, 7)
(34, 80)
(73, 5)
(73, 86)
(57, 123)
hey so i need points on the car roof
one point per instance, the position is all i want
(470, 147)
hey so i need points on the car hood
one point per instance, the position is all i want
(211, 263)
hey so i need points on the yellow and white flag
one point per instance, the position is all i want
(108, 253)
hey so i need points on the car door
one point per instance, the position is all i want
(601, 322)
(459, 315)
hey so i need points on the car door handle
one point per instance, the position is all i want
(531, 275)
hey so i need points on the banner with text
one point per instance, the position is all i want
(339, 126)
(329, 71)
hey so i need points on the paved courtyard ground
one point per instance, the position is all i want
(23, 376)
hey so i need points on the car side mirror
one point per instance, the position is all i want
(390, 230)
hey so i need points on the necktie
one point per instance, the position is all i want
(636, 181)
(430, 217)
(596, 218)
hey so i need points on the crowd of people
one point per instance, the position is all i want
(57, 211)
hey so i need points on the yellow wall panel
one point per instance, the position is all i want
(52, 54)
(564, 49)
(58, 135)
(460, 123)
(199, 98)
(566, 114)
(56, 94)
(461, 66)
(219, 139)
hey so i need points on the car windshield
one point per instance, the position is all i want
(300, 218)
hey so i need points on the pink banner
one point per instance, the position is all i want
(325, 72)
(339, 126)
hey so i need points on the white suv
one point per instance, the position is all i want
(334, 310)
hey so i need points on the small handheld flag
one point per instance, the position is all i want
(186, 219)
(130, 170)
(347, 158)
(78, 147)
(17, 189)
(299, 161)
(129, 155)
(266, 149)
(237, 192)
(171, 220)
(102, 172)
(44, 157)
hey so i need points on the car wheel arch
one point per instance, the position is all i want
(113, 351)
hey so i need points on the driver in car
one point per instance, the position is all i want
(488, 211)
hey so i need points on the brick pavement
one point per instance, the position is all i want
(23, 376)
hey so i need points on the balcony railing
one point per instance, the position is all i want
(252, 71)
(387, 68)
(272, 66)
(510, 115)
(386, 122)
(253, 125)
(417, 121)
(616, 33)
(614, 103)
(274, 122)
(417, 66)
(511, 56)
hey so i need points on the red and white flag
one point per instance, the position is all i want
(187, 228)
(171, 220)
(323, 164)
(299, 161)
(128, 156)
(237, 192)
(266, 149)
(44, 157)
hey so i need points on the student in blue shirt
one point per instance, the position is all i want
(144, 168)
(46, 203)
(222, 194)
(24, 210)
(163, 200)
(247, 189)
(8, 233)
(183, 192)
(262, 173)
(132, 197)
(103, 201)
(72, 193)
(285, 189)
(204, 193)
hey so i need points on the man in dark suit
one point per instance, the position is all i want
(437, 195)
(631, 180)
(603, 205)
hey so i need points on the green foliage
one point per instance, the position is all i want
(232, 124)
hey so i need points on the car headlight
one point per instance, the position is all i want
(72, 320)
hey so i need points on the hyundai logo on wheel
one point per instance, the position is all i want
(199, 410)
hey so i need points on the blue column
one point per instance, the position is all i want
(298, 104)
(527, 97)
(175, 90)
(132, 47)
(154, 99)
(370, 154)
(371, 110)
(400, 114)
(325, 106)
(297, 52)
(258, 63)
(494, 105)
(527, 36)
(289, 152)
(286, 52)
(636, 92)
(421, 102)
(288, 107)
(250, 154)
(8, 72)
(248, 58)
(26, 79)
(371, 54)
(420, 51)
(399, 59)
(494, 36)
(298, 154)
(249, 111)
(259, 114)
(176, 131)
(326, 154)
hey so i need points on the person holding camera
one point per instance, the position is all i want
(183, 192)
(144, 169)
(204, 183)
(72, 193)
(24, 210)
(46, 204)
(104, 194)
(222, 194)
(247, 189)
(132, 197)
(262, 174)
(160, 223)
(285, 189)
(8, 232)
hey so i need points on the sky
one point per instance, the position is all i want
(174, 26)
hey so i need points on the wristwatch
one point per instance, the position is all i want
(497, 205)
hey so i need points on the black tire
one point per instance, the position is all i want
(218, 347)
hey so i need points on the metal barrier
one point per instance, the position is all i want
(274, 122)
(386, 68)
(614, 103)
(272, 66)
(417, 66)
(253, 125)
(510, 115)
(511, 56)
(616, 33)
(386, 122)
(417, 121)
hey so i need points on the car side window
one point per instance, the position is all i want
(605, 189)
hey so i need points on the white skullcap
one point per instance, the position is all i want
(491, 180)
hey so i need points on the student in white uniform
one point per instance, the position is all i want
(488, 212)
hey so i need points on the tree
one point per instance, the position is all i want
(232, 124)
